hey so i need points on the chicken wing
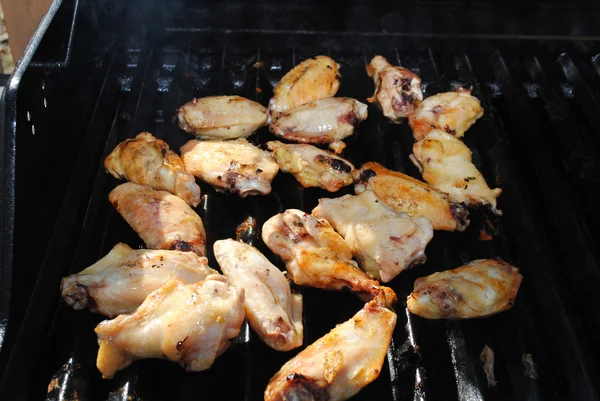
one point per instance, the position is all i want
(162, 220)
(481, 288)
(316, 256)
(188, 324)
(312, 79)
(384, 242)
(324, 121)
(147, 160)
(271, 309)
(339, 364)
(397, 90)
(312, 166)
(445, 163)
(221, 117)
(452, 112)
(119, 282)
(234, 166)
(406, 194)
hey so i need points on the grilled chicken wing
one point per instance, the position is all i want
(339, 364)
(316, 256)
(221, 117)
(397, 90)
(312, 166)
(271, 309)
(445, 163)
(235, 166)
(452, 112)
(188, 324)
(384, 242)
(481, 288)
(324, 121)
(147, 160)
(119, 282)
(162, 220)
(312, 79)
(406, 194)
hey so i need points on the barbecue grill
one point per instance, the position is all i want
(98, 72)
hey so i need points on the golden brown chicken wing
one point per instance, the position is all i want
(339, 364)
(445, 163)
(147, 160)
(406, 194)
(397, 90)
(162, 220)
(481, 288)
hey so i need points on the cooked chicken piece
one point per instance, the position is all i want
(312, 166)
(452, 112)
(316, 256)
(445, 162)
(271, 309)
(406, 194)
(234, 166)
(147, 160)
(221, 117)
(325, 121)
(162, 220)
(384, 242)
(481, 288)
(188, 324)
(397, 90)
(119, 282)
(339, 364)
(312, 79)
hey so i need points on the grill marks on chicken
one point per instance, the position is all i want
(324, 121)
(162, 220)
(384, 242)
(188, 324)
(481, 288)
(234, 166)
(273, 312)
(339, 364)
(397, 90)
(316, 256)
(312, 166)
(147, 160)
(451, 112)
(408, 195)
(445, 163)
(221, 117)
(120, 281)
(313, 79)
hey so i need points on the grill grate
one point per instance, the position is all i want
(537, 140)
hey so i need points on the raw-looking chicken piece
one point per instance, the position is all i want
(445, 163)
(316, 256)
(188, 324)
(481, 288)
(221, 117)
(119, 282)
(234, 166)
(324, 121)
(162, 220)
(408, 195)
(339, 364)
(384, 241)
(312, 79)
(312, 167)
(147, 160)
(273, 312)
(397, 90)
(452, 112)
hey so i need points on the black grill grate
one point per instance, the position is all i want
(538, 140)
